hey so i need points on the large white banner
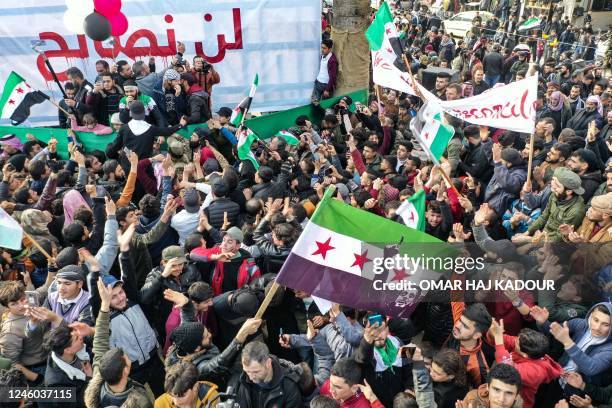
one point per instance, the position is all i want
(278, 39)
(510, 107)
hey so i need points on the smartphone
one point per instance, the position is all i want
(70, 139)
(32, 298)
(409, 350)
(126, 151)
(375, 319)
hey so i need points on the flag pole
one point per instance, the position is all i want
(377, 89)
(59, 107)
(531, 142)
(37, 245)
(266, 302)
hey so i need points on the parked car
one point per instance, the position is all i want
(461, 23)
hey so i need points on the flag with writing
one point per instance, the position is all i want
(430, 131)
(243, 147)
(383, 37)
(338, 257)
(240, 110)
(17, 99)
(388, 69)
(412, 211)
(11, 233)
(288, 137)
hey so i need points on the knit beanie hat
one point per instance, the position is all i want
(188, 337)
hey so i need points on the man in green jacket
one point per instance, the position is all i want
(565, 206)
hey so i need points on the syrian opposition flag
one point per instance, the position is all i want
(430, 131)
(412, 211)
(387, 66)
(383, 37)
(338, 257)
(288, 137)
(240, 110)
(531, 24)
(243, 147)
(17, 99)
(11, 233)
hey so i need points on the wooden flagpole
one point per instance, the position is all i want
(37, 245)
(529, 171)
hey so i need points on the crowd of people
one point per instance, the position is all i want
(143, 266)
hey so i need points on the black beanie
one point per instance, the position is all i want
(188, 337)
(18, 161)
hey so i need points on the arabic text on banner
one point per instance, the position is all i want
(279, 39)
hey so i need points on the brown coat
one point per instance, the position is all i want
(591, 258)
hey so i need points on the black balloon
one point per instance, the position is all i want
(97, 27)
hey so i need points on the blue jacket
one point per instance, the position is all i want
(596, 359)
(505, 186)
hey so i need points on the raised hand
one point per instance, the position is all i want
(125, 238)
(178, 298)
(540, 314)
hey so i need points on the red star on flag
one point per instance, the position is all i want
(400, 274)
(11, 102)
(390, 50)
(19, 90)
(361, 260)
(426, 135)
(323, 247)
(388, 31)
(411, 216)
(27, 85)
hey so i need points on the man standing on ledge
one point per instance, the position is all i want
(328, 73)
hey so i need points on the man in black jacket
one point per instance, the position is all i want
(221, 207)
(104, 99)
(192, 342)
(475, 161)
(384, 369)
(68, 364)
(264, 383)
(138, 135)
(493, 64)
(198, 99)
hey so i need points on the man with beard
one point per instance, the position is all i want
(442, 81)
(575, 101)
(595, 226)
(115, 181)
(555, 158)
(565, 206)
(581, 119)
(584, 163)
(469, 331)
(192, 342)
(379, 353)
(104, 99)
(606, 186)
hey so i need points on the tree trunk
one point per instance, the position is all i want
(350, 20)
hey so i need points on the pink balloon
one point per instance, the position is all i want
(107, 8)
(119, 24)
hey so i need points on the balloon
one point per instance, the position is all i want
(107, 8)
(80, 7)
(119, 24)
(74, 22)
(97, 27)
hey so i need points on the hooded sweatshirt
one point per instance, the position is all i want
(534, 372)
(589, 355)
